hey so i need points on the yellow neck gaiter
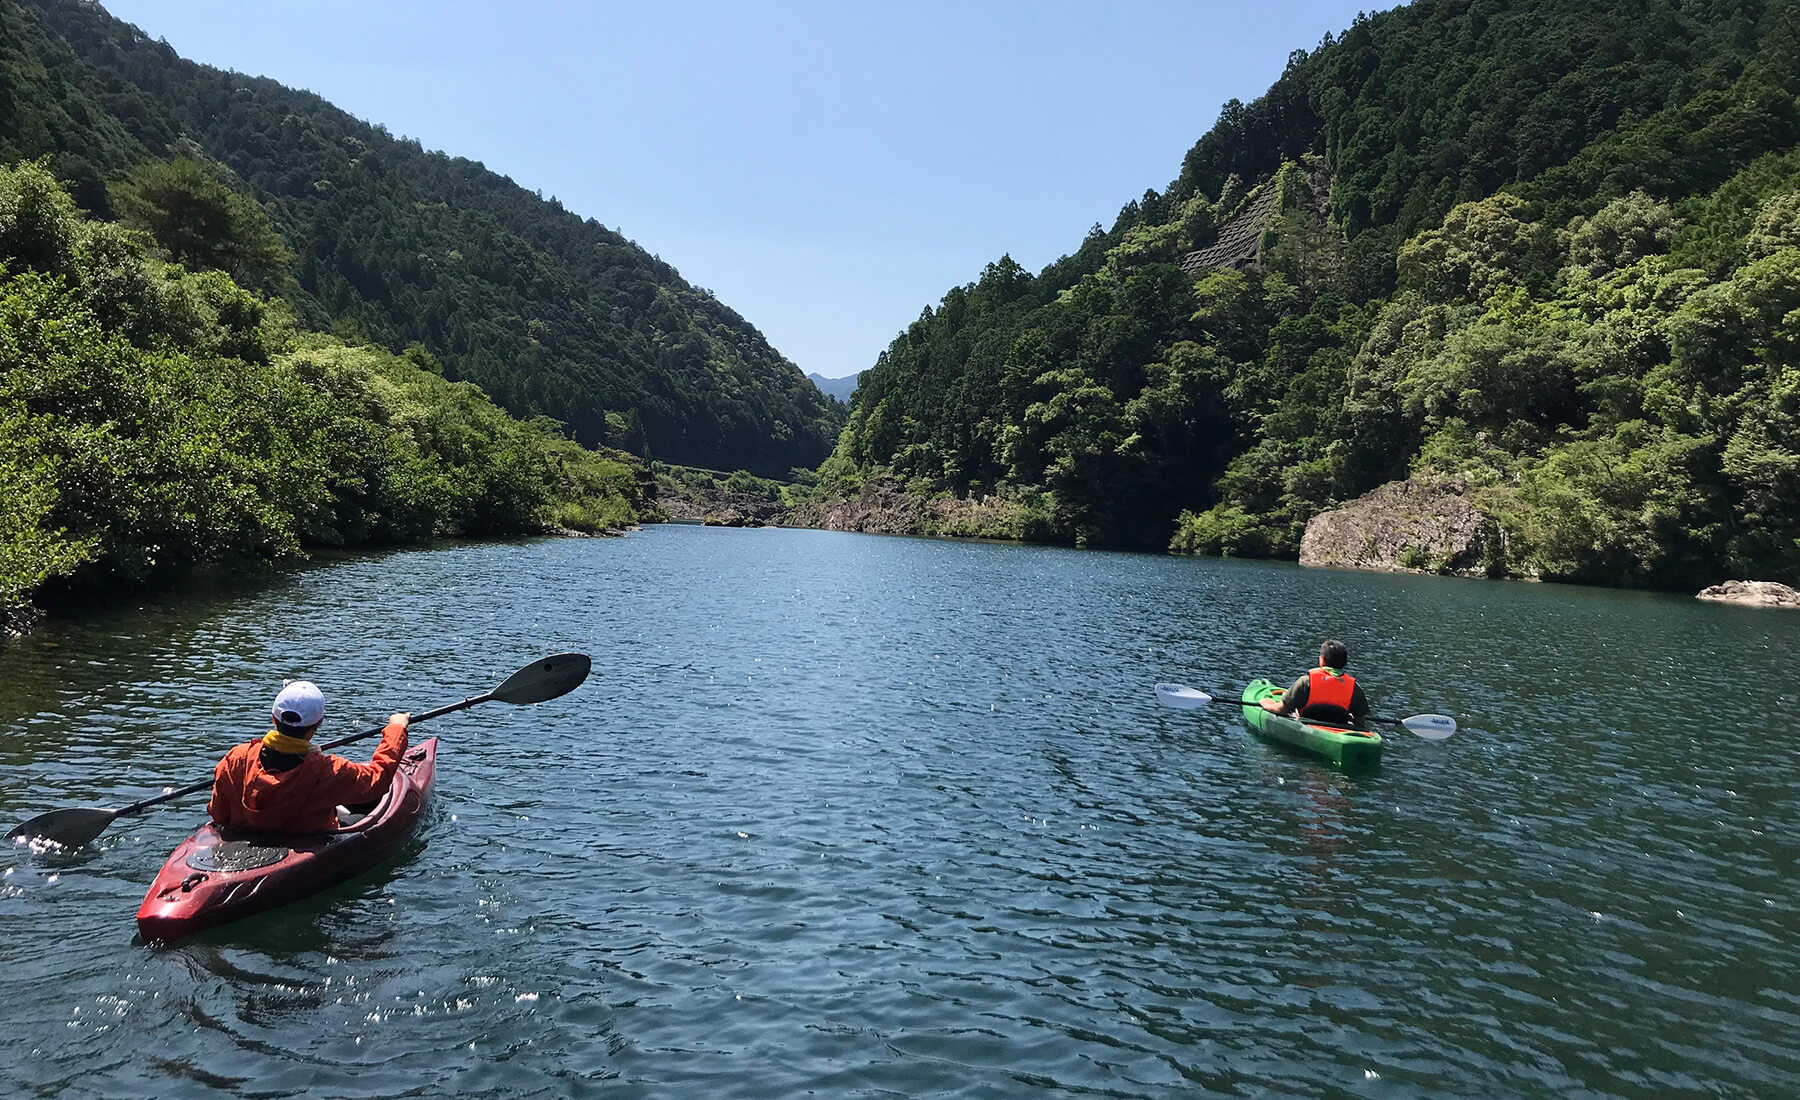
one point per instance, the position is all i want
(281, 742)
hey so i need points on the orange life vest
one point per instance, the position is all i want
(303, 799)
(1328, 695)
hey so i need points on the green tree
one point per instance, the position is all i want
(1623, 232)
(200, 222)
(1777, 227)
(1512, 371)
(154, 420)
(1479, 250)
(38, 226)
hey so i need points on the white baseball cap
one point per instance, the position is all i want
(300, 704)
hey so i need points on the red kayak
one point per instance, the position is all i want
(221, 875)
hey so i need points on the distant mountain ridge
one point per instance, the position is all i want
(840, 388)
(549, 312)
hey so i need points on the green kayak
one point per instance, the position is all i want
(1347, 748)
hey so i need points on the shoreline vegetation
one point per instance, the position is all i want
(882, 506)
(160, 420)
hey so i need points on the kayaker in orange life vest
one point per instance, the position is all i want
(281, 783)
(1326, 694)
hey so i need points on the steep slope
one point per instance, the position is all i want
(43, 115)
(1477, 238)
(549, 312)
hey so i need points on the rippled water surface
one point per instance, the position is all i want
(848, 815)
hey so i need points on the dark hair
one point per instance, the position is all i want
(1334, 655)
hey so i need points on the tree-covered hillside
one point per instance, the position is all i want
(548, 312)
(155, 419)
(1546, 249)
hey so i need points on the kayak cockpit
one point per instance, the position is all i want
(352, 819)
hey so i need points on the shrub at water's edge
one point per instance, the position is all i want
(876, 505)
(154, 420)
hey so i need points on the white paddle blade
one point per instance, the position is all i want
(1432, 727)
(1181, 698)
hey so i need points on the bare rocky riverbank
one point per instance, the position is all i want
(882, 506)
(885, 507)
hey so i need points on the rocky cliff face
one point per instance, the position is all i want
(1753, 593)
(1422, 526)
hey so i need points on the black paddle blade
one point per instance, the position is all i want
(545, 678)
(68, 828)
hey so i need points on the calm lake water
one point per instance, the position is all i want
(849, 815)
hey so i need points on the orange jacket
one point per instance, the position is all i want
(305, 798)
(1330, 688)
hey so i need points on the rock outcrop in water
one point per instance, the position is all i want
(1752, 594)
(1414, 526)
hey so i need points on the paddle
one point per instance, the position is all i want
(1432, 727)
(542, 679)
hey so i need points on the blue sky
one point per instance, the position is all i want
(827, 169)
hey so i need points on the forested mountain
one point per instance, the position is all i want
(1547, 249)
(548, 312)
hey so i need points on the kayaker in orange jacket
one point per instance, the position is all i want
(1326, 694)
(281, 782)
